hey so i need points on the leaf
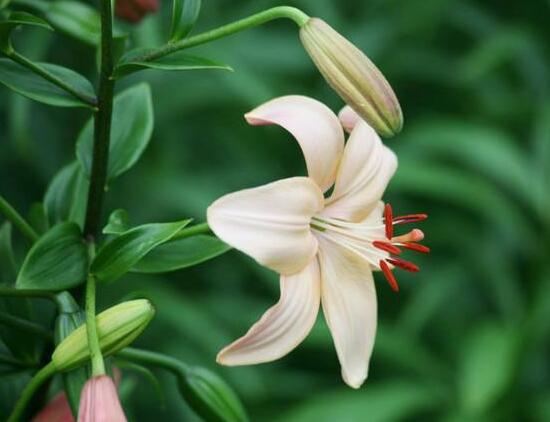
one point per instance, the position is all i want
(76, 19)
(116, 257)
(181, 253)
(8, 269)
(119, 222)
(488, 366)
(14, 20)
(37, 217)
(184, 16)
(57, 261)
(180, 60)
(210, 396)
(130, 134)
(66, 196)
(33, 86)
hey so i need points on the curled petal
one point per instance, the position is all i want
(270, 223)
(283, 326)
(315, 127)
(365, 170)
(349, 118)
(348, 297)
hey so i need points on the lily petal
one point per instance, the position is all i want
(283, 326)
(365, 170)
(270, 223)
(349, 118)
(315, 127)
(348, 297)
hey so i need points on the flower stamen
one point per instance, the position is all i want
(406, 265)
(387, 247)
(389, 276)
(388, 221)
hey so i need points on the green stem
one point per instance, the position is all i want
(11, 214)
(39, 70)
(29, 390)
(257, 19)
(102, 125)
(153, 358)
(25, 325)
(192, 231)
(98, 366)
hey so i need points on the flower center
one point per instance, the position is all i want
(375, 241)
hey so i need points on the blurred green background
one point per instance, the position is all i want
(468, 337)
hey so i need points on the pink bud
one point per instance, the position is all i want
(135, 10)
(99, 401)
(57, 410)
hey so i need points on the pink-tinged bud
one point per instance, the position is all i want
(353, 76)
(135, 10)
(57, 410)
(99, 401)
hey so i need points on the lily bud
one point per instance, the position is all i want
(353, 76)
(135, 10)
(99, 401)
(117, 327)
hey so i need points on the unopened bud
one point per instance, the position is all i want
(117, 327)
(135, 10)
(353, 76)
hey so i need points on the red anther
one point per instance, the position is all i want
(388, 220)
(389, 276)
(386, 246)
(406, 265)
(410, 218)
(415, 247)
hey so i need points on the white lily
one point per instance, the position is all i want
(325, 249)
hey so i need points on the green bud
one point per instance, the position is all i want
(117, 327)
(353, 76)
(210, 396)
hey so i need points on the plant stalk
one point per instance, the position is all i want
(223, 31)
(102, 125)
(28, 392)
(201, 228)
(18, 221)
(98, 366)
(153, 358)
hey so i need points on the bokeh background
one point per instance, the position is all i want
(465, 339)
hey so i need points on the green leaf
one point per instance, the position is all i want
(67, 321)
(210, 396)
(57, 261)
(14, 20)
(76, 19)
(488, 366)
(184, 16)
(8, 268)
(131, 131)
(119, 222)
(33, 86)
(37, 217)
(65, 198)
(181, 253)
(120, 254)
(180, 60)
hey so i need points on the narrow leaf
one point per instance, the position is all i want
(184, 16)
(33, 86)
(181, 253)
(57, 261)
(131, 131)
(119, 222)
(14, 20)
(76, 19)
(120, 254)
(175, 61)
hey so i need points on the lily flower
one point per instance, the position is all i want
(99, 401)
(325, 249)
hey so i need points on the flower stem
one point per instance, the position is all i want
(23, 324)
(39, 70)
(153, 358)
(102, 125)
(11, 214)
(98, 366)
(192, 231)
(29, 390)
(223, 31)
